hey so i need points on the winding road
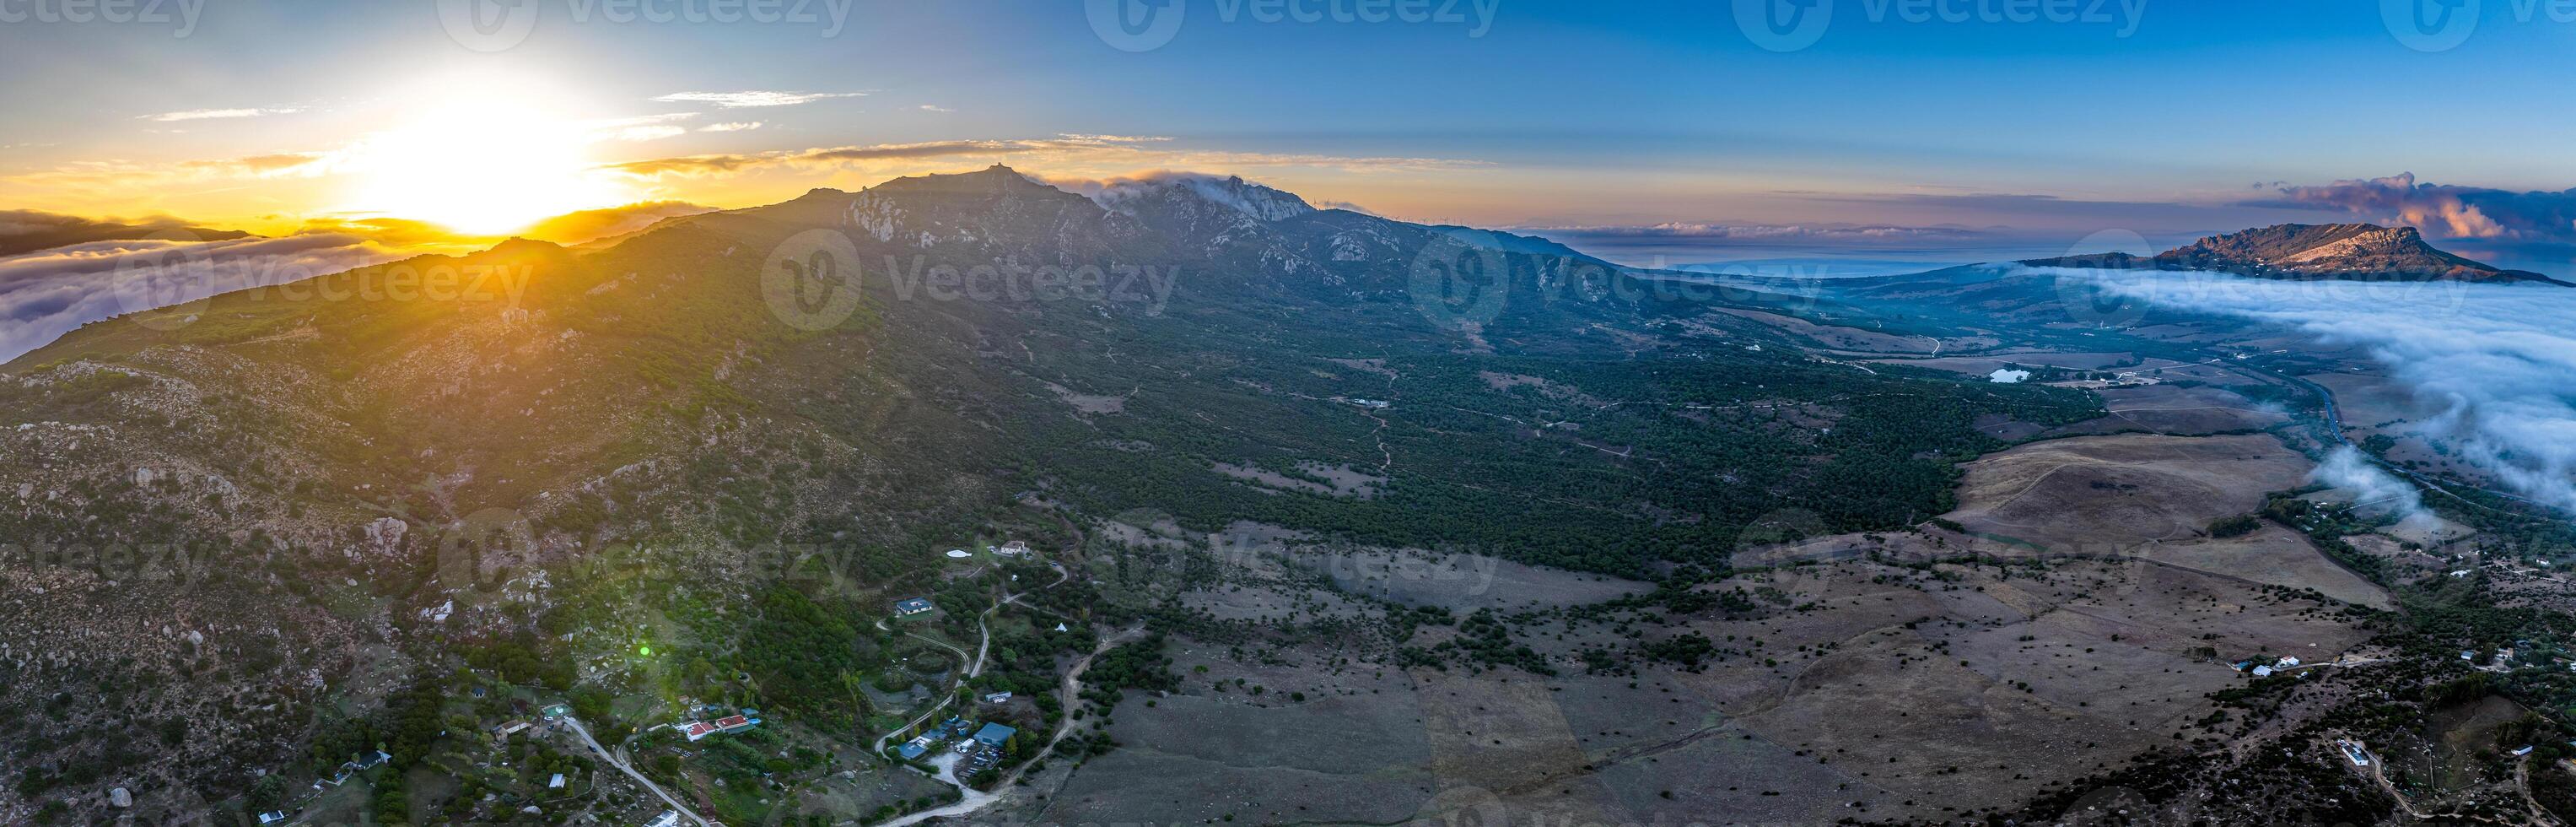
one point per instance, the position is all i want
(973, 799)
(977, 799)
(613, 760)
(975, 666)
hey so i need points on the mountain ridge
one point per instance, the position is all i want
(2312, 251)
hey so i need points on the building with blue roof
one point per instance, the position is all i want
(910, 751)
(994, 735)
(910, 606)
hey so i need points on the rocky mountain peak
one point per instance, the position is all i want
(2312, 251)
(1231, 192)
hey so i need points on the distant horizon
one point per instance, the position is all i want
(1715, 148)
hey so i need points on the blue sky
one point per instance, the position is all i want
(1593, 119)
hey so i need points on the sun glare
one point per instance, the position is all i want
(486, 165)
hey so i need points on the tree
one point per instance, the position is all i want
(264, 794)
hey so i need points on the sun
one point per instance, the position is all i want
(484, 163)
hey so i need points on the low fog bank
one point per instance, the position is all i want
(2374, 490)
(46, 294)
(2498, 360)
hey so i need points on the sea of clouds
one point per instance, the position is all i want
(48, 293)
(2498, 361)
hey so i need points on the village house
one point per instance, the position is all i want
(727, 725)
(994, 735)
(910, 606)
(1014, 548)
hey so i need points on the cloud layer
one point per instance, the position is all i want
(2535, 229)
(2448, 211)
(46, 294)
(2374, 490)
(2498, 362)
(754, 99)
(25, 231)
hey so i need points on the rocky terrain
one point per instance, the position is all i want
(2309, 251)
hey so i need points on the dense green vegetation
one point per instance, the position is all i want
(1593, 465)
(804, 657)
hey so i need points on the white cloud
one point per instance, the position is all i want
(731, 126)
(649, 133)
(2374, 490)
(211, 114)
(2497, 362)
(753, 99)
(51, 292)
(930, 108)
